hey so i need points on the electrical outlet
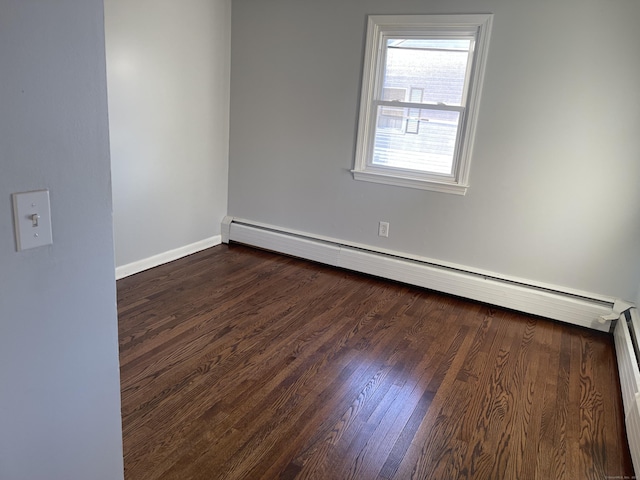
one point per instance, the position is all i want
(383, 229)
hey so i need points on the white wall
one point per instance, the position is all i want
(59, 377)
(168, 79)
(554, 191)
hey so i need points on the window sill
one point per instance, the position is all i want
(410, 182)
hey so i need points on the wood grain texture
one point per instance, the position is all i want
(238, 363)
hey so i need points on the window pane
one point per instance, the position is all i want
(416, 139)
(434, 67)
(394, 94)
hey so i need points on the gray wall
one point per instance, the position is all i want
(168, 76)
(554, 191)
(59, 378)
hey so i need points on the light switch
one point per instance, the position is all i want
(32, 218)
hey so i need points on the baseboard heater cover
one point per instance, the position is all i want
(626, 336)
(585, 310)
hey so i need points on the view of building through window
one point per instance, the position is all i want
(421, 102)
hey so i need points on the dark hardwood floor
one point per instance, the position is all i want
(238, 363)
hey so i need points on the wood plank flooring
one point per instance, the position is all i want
(238, 363)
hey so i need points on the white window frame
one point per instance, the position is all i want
(381, 27)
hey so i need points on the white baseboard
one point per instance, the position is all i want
(166, 257)
(568, 305)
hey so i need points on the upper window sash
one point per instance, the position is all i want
(382, 49)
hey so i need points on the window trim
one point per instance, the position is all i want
(380, 27)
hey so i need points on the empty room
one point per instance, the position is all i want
(330, 239)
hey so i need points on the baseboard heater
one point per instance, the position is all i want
(571, 306)
(626, 337)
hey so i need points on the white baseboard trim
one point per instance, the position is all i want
(568, 305)
(166, 257)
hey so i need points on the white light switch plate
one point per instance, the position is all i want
(32, 217)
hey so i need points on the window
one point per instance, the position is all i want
(420, 94)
